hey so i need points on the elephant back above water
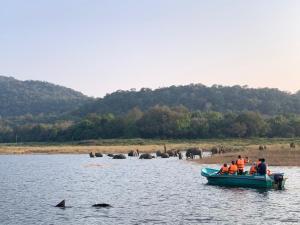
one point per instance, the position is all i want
(120, 156)
(165, 155)
(98, 154)
(146, 156)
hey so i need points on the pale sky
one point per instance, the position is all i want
(97, 47)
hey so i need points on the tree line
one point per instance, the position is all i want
(156, 122)
(237, 99)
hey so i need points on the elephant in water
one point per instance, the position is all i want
(98, 154)
(158, 153)
(173, 152)
(164, 155)
(192, 152)
(120, 156)
(146, 156)
(133, 153)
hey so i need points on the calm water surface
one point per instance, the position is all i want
(158, 191)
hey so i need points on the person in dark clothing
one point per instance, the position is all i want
(262, 167)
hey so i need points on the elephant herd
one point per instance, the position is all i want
(190, 153)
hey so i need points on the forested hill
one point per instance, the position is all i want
(198, 97)
(35, 97)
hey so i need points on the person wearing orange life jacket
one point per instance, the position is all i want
(253, 169)
(232, 168)
(246, 160)
(224, 169)
(240, 165)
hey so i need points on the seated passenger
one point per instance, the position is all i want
(232, 168)
(253, 169)
(224, 169)
(246, 160)
(258, 162)
(240, 163)
(262, 167)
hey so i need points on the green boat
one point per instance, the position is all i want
(252, 181)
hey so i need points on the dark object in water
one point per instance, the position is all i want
(98, 154)
(120, 156)
(110, 155)
(146, 156)
(158, 153)
(164, 155)
(91, 155)
(101, 205)
(62, 204)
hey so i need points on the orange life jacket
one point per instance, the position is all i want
(232, 169)
(253, 170)
(240, 164)
(224, 169)
(246, 161)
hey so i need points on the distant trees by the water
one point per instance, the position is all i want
(157, 122)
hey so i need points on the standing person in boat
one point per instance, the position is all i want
(224, 169)
(262, 167)
(232, 168)
(240, 165)
(253, 169)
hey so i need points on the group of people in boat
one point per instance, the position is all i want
(238, 167)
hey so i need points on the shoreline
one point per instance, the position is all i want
(278, 152)
(273, 157)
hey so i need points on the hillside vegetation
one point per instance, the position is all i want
(36, 97)
(48, 113)
(197, 97)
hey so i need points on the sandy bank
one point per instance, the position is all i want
(274, 155)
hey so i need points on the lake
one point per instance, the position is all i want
(157, 191)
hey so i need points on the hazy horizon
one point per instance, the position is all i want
(98, 47)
